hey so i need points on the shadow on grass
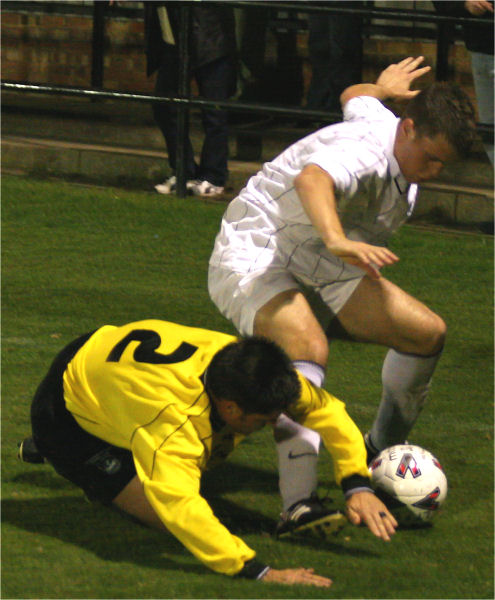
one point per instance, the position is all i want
(229, 477)
(97, 529)
(234, 477)
(114, 536)
(119, 538)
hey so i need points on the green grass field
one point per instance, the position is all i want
(77, 257)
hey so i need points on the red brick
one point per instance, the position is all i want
(51, 21)
(79, 23)
(14, 19)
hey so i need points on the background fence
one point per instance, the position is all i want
(89, 32)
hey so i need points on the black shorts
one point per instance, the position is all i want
(100, 469)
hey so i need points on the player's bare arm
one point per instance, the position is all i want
(296, 577)
(365, 507)
(315, 189)
(393, 83)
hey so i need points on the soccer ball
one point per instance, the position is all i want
(411, 483)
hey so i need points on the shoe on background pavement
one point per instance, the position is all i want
(170, 185)
(205, 188)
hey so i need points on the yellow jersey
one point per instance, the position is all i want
(141, 387)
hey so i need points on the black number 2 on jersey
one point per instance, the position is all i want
(146, 350)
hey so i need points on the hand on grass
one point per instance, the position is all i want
(365, 507)
(296, 577)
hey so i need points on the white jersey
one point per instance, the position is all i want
(373, 198)
(267, 240)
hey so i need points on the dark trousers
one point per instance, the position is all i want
(335, 52)
(99, 468)
(215, 82)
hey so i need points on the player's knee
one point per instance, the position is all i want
(315, 349)
(435, 336)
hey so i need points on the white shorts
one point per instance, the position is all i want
(255, 259)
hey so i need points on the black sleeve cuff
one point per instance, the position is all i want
(252, 569)
(355, 481)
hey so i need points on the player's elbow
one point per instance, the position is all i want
(345, 97)
(352, 92)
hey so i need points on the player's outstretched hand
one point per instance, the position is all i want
(396, 79)
(478, 7)
(369, 258)
(296, 577)
(365, 507)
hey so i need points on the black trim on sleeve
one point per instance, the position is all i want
(355, 481)
(252, 569)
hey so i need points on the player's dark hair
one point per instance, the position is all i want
(444, 108)
(256, 374)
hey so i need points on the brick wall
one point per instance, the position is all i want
(56, 50)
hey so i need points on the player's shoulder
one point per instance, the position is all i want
(158, 333)
(367, 108)
(170, 329)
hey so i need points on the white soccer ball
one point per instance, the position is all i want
(409, 476)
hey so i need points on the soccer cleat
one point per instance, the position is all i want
(371, 451)
(28, 452)
(311, 517)
(205, 188)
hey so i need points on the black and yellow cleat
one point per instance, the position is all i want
(310, 517)
(28, 452)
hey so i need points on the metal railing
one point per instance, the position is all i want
(184, 102)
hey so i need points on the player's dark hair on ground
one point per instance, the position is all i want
(444, 108)
(256, 374)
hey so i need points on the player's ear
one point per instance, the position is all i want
(227, 408)
(234, 409)
(408, 128)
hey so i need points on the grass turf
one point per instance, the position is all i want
(77, 257)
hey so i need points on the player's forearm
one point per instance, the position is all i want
(190, 519)
(315, 189)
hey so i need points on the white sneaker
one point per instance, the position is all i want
(170, 185)
(205, 188)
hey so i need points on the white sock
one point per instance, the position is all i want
(406, 381)
(297, 448)
(311, 370)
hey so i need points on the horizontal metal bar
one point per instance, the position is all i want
(301, 7)
(230, 105)
(69, 9)
(372, 13)
(138, 97)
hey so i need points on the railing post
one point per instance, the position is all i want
(183, 108)
(444, 34)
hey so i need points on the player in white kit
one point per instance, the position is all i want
(308, 234)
